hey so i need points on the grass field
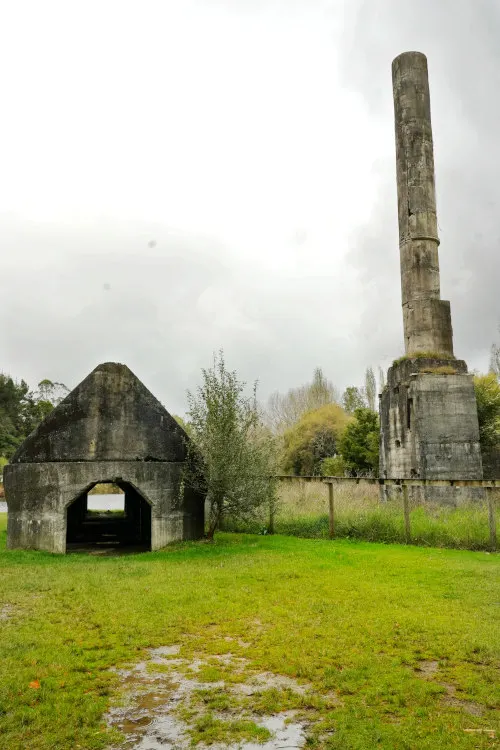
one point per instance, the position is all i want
(398, 646)
(302, 511)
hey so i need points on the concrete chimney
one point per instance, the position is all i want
(428, 414)
(426, 318)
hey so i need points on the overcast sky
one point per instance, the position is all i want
(179, 176)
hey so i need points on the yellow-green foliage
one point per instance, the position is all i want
(313, 438)
(106, 488)
(334, 466)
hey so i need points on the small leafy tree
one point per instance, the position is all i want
(359, 444)
(231, 456)
(13, 401)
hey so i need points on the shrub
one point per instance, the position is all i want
(487, 391)
(313, 438)
(334, 466)
(231, 456)
(359, 444)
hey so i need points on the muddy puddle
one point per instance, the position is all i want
(161, 704)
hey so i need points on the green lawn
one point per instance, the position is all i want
(355, 620)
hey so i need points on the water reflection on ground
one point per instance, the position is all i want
(165, 696)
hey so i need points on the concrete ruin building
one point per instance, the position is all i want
(428, 412)
(109, 429)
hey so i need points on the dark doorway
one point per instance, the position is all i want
(114, 518)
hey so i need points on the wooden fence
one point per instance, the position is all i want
(490, 485)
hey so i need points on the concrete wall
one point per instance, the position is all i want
(109, 416)
(427, 326)
(429, 425)
(491, 463)
(38, 495)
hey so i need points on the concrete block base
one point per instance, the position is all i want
(429, 426)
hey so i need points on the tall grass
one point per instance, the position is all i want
(302, 511)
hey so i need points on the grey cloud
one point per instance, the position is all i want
(163, 301)
(460, 39)
(101, 293)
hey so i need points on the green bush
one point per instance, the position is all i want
(359, 444)
(313, 438)
(334, 466)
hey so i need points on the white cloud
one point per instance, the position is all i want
(183, 176)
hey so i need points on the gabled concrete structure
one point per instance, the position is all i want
(428, 411)
(110, 428)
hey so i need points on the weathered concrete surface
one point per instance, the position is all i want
(428, 411)
(109, 429)
(428, 424)
(426, 318)
(429, 427)
(109, 416)
(491, 463)
(39, 495)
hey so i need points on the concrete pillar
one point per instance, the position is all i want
(426, 318)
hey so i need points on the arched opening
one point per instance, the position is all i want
(109, 516)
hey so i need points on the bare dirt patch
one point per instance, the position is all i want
(428, 669)
(450, 699)
(6, 612)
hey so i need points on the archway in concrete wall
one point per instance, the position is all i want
(118, 519)
(106, 497)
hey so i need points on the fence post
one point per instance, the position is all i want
(331, 510)
(406, 510)
(492, 518)
(271, 516)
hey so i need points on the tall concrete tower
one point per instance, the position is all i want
(428, 412)
(426, 317)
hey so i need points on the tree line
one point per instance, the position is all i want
(237, 446)
(323, 431)
(22, 410)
